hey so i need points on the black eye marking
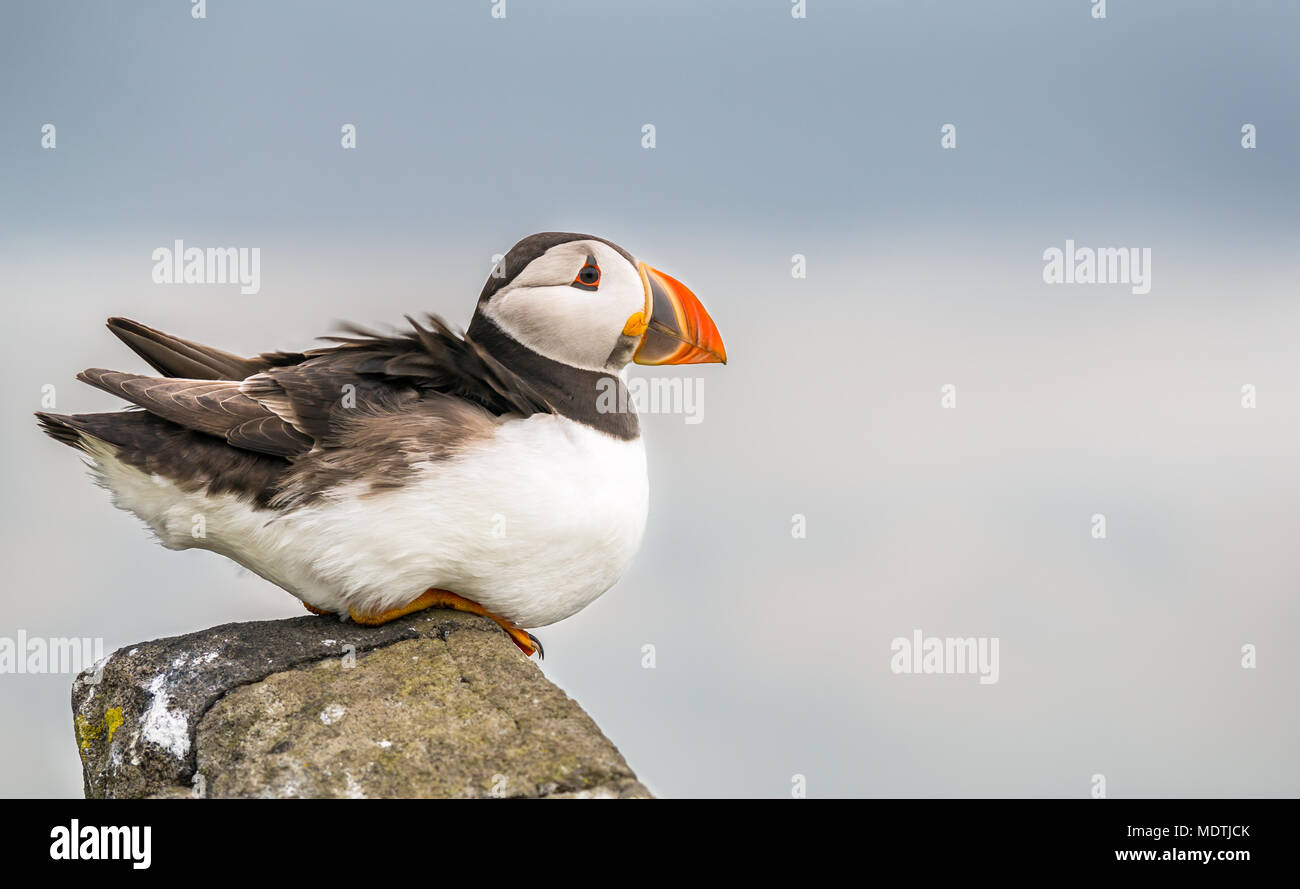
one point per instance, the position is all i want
(589, 276)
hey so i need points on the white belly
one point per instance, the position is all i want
(533, 524)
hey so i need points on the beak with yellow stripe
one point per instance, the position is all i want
(674, 328)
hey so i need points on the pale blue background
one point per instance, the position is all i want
(775, 137)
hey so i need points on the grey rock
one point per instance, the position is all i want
(438, 704)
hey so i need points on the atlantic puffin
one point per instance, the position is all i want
(501, 472)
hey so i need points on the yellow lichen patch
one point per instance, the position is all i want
(88, 732)
(113, 721)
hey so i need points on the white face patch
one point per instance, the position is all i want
(541, 309)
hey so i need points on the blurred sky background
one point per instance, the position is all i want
(774, 136)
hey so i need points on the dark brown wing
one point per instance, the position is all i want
(292, 402)
(432, 357)
(216, 407)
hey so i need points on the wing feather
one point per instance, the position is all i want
(285, 404)
(216, 407)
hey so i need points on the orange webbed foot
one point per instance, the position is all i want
(526, 641)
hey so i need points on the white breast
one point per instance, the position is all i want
(533, 524)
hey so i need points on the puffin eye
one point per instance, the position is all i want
(589, 276)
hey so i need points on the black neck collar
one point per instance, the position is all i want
(594, 398)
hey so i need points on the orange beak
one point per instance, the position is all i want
(676, 328)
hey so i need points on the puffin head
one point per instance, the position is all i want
(587, 303)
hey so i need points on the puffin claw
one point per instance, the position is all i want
(541, 652)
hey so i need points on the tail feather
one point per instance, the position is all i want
(62, 427)
(153, 445)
